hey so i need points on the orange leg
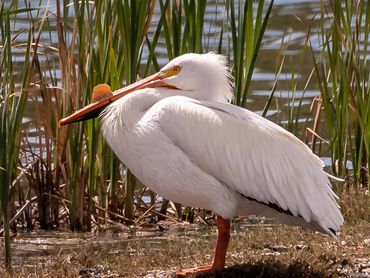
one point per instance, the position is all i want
(223, 238)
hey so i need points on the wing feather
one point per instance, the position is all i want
(253, 156)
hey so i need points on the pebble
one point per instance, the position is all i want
(160, 274)
(279, 248)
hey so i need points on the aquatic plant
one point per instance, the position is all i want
(342, 71)
(13, 95)
(109, 37)
(247, 28)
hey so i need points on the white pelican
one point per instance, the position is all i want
(179, 135)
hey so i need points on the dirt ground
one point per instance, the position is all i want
(262, 250)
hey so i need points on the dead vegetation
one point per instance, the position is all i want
(262, 250)
(157, 249)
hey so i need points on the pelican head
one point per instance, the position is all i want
(199, 76)
(205, 74)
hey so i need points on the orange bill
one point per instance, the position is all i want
(103, 96)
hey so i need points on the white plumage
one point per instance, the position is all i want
(190, 146)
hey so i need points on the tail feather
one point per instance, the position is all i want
(251, 206)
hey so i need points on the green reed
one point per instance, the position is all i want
(183, 26)
(294, 102)
(247, 28)
(109, 37)
(12, 104)
(342, 70)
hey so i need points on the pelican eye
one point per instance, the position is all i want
(177, 68)
(171, 71)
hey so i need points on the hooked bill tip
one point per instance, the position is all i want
(61, 123)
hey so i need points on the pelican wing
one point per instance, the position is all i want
(253, 156)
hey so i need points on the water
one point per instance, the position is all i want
(39, 248)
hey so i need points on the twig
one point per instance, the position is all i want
(158, 214)
(95, 206)
(145, 213)
(19, 212)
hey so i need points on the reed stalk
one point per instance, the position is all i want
(12, 104)
(248, 23)
(109, 37)
(183, 26)
(342, 70)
